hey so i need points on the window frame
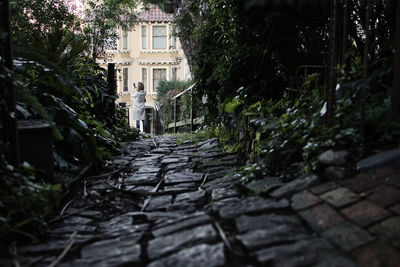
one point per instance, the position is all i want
(164, 36)
(124, 40)
(125, 89)
(145, 83)
(143, 37)
(174, 71)
(153, 89)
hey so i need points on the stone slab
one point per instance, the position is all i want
(377, 254)
(360, 183)
(264, 185)
(148, 169)
(163, 150)
(381, 159)
(167, 244)
(223, 192)
(384, 195)
(306, 252)
(365, 213)
(179, 225)
(218, 163)
(337, 261)
(330, 157)
(295, 186)
(50, 247)
(225, 181)
(340, 197)
(197, 256)
(393, 179)
(246, 223)
(182, 177)
(388, 229)
(348, 236)
(159, 203)
(395, 208)
(77, 220)
(279, 234)
(176, 166)
(251, 205)
(198, 197)
(170, 160)
(118, 222)
(320, 189)
(110, 248)
(304, 200)
(321, 217)
(71, 228)
(142, 179)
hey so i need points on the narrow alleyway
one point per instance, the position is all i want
(164, 204)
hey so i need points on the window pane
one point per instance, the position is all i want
(159, 37)
(124, 40)
(158, 75)
(159, 31)
(174, 73)
(159, 42)
(144, 37)
(125, 79)
(144, 78)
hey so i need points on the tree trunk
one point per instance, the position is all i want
(112, 85)
(7, 92)
(365, 68)
(396, 70)
(332, 61)
(345, 30)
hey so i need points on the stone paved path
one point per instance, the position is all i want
(169, 205)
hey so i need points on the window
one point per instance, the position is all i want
(173, 37)
(144, 78)
(158, 75)
(125, 79)
(174, 74)
(124, 40)
(159, 37)
(144, 37)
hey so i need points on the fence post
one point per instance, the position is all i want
(175, 116)
(191, 110)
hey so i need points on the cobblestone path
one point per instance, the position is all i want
(169, 205)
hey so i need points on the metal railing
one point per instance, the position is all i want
(184, 122)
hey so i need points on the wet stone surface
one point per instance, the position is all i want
(170, 243)
(182, 205)
(200, 255)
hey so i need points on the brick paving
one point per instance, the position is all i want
(173, 205)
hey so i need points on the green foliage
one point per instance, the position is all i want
(105, 16)
(25, 202)
(236, 50)
(166, 90)
(56, 81)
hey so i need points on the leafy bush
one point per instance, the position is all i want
(166, 91)
(55, 80)
(26, 202)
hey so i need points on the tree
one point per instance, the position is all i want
(396, 70)
(103, 17)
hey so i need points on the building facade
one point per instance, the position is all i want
(148, 53)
